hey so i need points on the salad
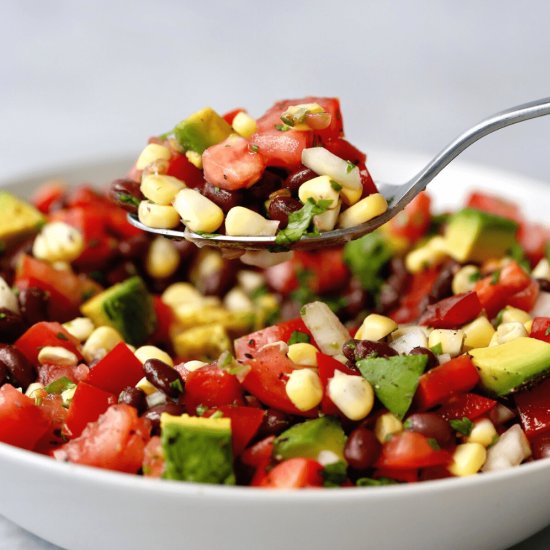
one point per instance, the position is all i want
(418, 352)
(289, 173)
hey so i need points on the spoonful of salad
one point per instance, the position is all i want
(286, 181)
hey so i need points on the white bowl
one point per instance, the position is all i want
(85, 508)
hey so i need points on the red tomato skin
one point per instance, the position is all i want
(534, 408)
(327, 366)
(118, 369)
(230, 115)
(52, 409)
(153, 458)
(211, 386)
(541, 329)
(47, 196)
(436, 386)
(116, 441)
(534, 238)
(494, 205)
(87, 404)
(469, 405)
(283, 149)
(525, 299)
(404, 475)
(46, 333)
(452, 312)
(413, 222)
(165, 319)
(22, 423)
(409, 451)
(260, 453)
(345, 150)
(294, 473)
(49, 373)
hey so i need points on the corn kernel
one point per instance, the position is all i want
(513, 314)
(198, 212)
(350, 196)
(375, 327)
(478, 333)
(80, 328)
(304, 389)
(319, 188)
(468, 459)
(528, 326)
(242, 221)
(58, 242)
(194, 365)
(146, 387)
(157, 215)
(465, 279)
(162, 259)
(542, 270)
(194, 158)
(303, 354)
(353, 395)
(56, 355)
(161, 189)
(152, 352)
(327, 220)
(181, 293)
(451, 340)
(506, 332)
(366, 209)
(237, 300)
(102, 340)
(152, 153)
(431, 254)
(244, 124)
(250, 280)
(386, 425)
(483, 432)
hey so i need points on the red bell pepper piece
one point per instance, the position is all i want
(180, 167)
(165, 318)
(48, 195)
(437, 385)
(541, 329)
(260, 453)
(534, 238)
(413, 222)
(87, 405)
(326, 366)
(118, 369)
(452, 312)
(494, 205)
(534, 408)
(525, 299)
(294, 473)
(469, 405)
(405, 476)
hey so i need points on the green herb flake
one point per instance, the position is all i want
(547, 331)
(282, 127)
(350, 166)
(298, 337)
(299, 221)
(371, 482)
(334, 474)
(3, 315)
(61, 336)
(177, 385)
(437, 349)
(463, 426)
(201, 409)
(126, 198)
(474, 277)
(335, 185)
(217, 414)
(495, 277)
(60, 385)
(432, 442)
(253, 148)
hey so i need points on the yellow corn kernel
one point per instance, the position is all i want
(468, 459)
(528, 326)
(320, 188)
(327, 220)
(353, 395)
(198, 212)
(237, 300)
(56, 355)
(146, 387)
(152, 352)
(350, 196)
(433, 253)
(465, 279)
(303, 354)
(542, 270)
(244, 124)
(157, 215)
(102, 340)
(451, 340)
(478, 333)
(386, 425)
(363, 211)
(250, 280)
(242, 221)
(181, 293)
(161, 189)
(513, 314)
(483, 432)
(80, 328)
(506, 332)
(194, 365)
(58, 242)
(194, 158)
(152, 153)
(304, 389)
(162, 259)
(375, 327)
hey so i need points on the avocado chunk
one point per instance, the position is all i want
(202, 130)
(475, 236)
(127, 307)
(394, 379)
(509, 367)
(17, 218)
(197, 449)
(310, 438)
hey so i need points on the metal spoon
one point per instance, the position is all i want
(397, 195)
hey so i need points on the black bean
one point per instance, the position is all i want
(442, 287)
(219, 282)
(281, 207)
(134, 397)
(33, 303)
(368, 348)
(544, 284)
(273, 423)
(11, 325)
(21, 373)
(4, 374)
(432, 361)
(541, 446)
(431, 425)
(163, 377)
(362, 449)
(355, 300)
(270, 181)
(120, 272)
(126, 193)
(154, 414)
(294, 180)
(223, 198)
(134, 248)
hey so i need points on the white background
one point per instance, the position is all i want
(94, 79)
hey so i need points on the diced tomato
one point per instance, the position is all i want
(367, 182)
(326, 367)
(118, 369)
(211, 386)
(534, 408)
(410, 450)
(541, 329)
(437, 385)
(294, 473)
(85, 196)
(46, 334)
(165, 319)
(49, 373)
(230, 115)
(48, 195)
(534, 238)
(153, 458)
(22, 423)
(282, 149)
(180, 167)
(53, 409)
(469, 405)
(247, 346)
(269, 372)
(116, 441)
(404, 476)
(232, 164)
(118, 224)
(87, 404)
(345, 150)
(435, 472)
(525, 299)
(413, 222)
(260, 453)
(452, 312)
(494, 205)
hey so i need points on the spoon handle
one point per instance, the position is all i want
(526, 111)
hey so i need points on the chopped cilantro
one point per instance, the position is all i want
(499, 317)
(495, 277)
(547, 331)
(432, 442)
(335, 185)
(282, 127)
(287, 120)
(201, 409)
(2, 315)
(60, 385)
(87, 294)
(350, 166)
(217, 414)
(437, 349)
(495, 439)
(517, 253)
(371, 482)
(463, 426)
(298, 337)
(61, 336)
(177, 385)
(299, 221)
(207, 235)
(334, 474)
(258, 292)
(253, 148)
(126, 198)
(474, 277)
